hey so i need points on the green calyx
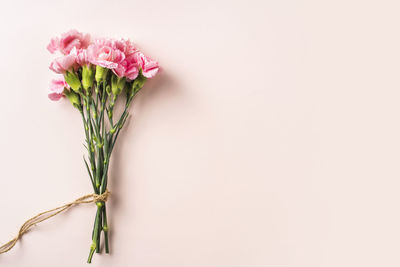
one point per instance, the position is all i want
(73, 80)
(73, 98)
(117, 84)
(87, 77)
(137, 84)
(101, 73)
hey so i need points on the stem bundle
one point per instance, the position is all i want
(95, 104)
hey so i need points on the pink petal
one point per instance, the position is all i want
(54, 66)
(150, 69)
(150, 73)
(132, 72)
(64, 63)
(119, 70)
(53, 45)
(57, 86)
(106, 64)
(85, 41)
(73, 39)
(55, 96)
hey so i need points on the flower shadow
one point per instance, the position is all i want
(163, 86)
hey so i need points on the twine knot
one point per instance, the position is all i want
(91, 198)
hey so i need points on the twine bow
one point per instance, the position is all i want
(91, 198)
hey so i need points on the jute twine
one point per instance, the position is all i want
(92, 198)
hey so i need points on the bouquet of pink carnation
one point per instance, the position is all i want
(94, 73)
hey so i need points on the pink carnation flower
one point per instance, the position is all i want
(82, 57)
(131, 65)
(62, 64)
(128, 68)
(125, 46)
(104, 54)
(68, 41)
(57, 89)
(149, 67)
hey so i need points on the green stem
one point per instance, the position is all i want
(99, 227)
(105, 229)
(95, 236)
(91, 170)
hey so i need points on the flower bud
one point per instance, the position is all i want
(117, 84)
(121, 83)
(87, 77)
(73, 80)
(114, 83)
(137, 84)
(101, 73)
(73, 98)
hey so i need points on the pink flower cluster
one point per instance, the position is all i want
(121, 56)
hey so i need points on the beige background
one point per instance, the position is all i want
(271, 138)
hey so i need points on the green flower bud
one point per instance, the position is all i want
(114, 83)
(137, 84)
(73, 80)
(87, 77)
(101, 73)
(73, 98)
(117, 84)
(121, 83)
